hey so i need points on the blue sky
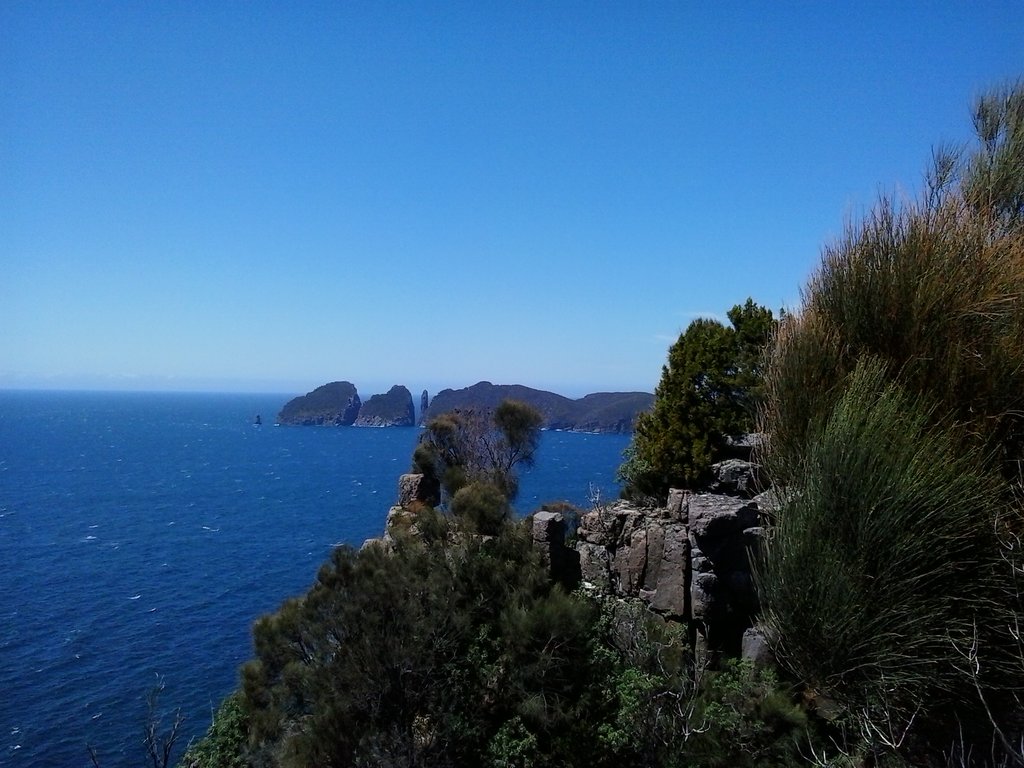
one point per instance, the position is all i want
(268, 196)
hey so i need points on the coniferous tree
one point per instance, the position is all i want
(708, 392)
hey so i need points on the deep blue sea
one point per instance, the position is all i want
(142, 534)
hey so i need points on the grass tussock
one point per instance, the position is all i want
(884, 556)
(891, 574)
(934, 288)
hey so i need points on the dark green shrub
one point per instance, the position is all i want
(747, 718)
(224, 744)
(481, 508)
(882, 564)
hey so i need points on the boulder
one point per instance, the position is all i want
(734, 477)
(417, 490)
(595, 566)
(670, 594)
(548, 534)
(755, 648)
(608, 526)
(769, 501)
(703, 596)
(716, 522)
(744, 446)
(630, 563)
(677, 506)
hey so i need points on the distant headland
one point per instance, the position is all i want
(338, 404)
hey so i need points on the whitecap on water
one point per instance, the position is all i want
(135, 597)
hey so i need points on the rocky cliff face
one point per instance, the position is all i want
(600, 412)
(335, 404)
(338, 405)
(687, 561)
(394, 409)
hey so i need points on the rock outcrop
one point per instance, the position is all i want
(688, 561)
(394, 409)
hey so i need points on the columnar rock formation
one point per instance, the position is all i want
(687, 561)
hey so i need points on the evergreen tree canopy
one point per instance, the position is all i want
(708, 391)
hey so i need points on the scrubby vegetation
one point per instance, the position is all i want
(454, 650)
(895, 412)
(476, 446)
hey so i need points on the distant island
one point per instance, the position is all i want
(600, 412)
(339, 404)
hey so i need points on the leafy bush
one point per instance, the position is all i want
(463, 447)
(481, 507)
(224, 744)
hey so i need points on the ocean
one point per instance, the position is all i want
(142, 534)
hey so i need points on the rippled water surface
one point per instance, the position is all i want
(141, 535)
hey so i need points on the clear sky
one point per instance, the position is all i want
(269, 196)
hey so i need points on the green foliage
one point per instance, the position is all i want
(461, 652)
(882, 560)
(663, 711)
(224, 744)
(464, 447)
(895, 410)
(708, 391)
(436, 653)
(934, 289)
(747, 719)
(481, 507)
